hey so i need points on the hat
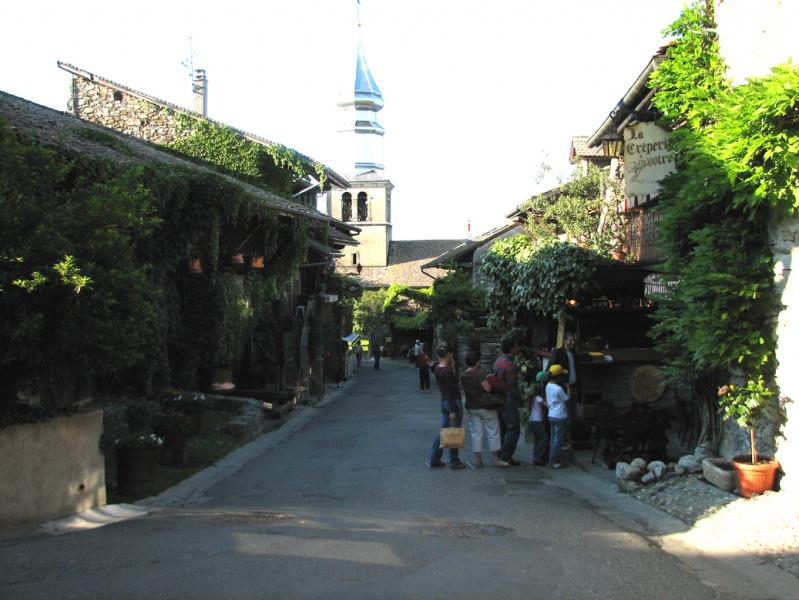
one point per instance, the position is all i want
(540, 376)
(556, 370)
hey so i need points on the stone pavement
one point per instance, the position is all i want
(338, 503)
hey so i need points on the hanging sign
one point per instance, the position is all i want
(647, 160)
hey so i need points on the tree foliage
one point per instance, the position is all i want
(584, 208)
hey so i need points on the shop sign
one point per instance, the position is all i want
(647, 160)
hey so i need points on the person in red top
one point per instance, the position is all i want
(507, 377)
(423, 363)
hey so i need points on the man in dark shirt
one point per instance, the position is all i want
(507, 376)
(451, 408)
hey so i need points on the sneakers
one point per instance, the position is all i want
(457, 465)
(557, 466)
(500, 463)
(512, 461)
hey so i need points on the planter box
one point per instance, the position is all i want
(51, 469)
(718, 476)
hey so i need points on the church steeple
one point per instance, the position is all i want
(367, 101)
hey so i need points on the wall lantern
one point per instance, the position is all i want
(613, 147)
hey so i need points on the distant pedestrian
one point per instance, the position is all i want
(482, 414)
(358, 352)
(507, 378)
(557, 403)
(423, 363)
(537, 422)
(377, 352)
(451, 409)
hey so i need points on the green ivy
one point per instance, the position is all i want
(737, 157)
(273, 166)
(537, 278)
(94, 286)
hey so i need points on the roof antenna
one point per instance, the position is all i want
(199, 83)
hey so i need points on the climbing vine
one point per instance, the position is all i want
(94, 285)
(536, 277)
(272, 165)
(737, 156)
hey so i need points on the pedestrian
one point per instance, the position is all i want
(451, 409)
(358, 352)
(558, 415)
(567, 357)
(507, 378)
(423, 363)
(537, 422)
(377, 352)
(482, 412)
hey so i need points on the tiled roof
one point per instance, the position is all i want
(371, 175)
(405, 261)
(580, 149)
(467, 246)
(51, 127)
(334, 177)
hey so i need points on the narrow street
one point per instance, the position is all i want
(346, 508)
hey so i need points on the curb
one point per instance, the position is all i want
(191, 491)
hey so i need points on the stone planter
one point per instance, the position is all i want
(714, 472)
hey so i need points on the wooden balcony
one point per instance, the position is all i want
(642, 233)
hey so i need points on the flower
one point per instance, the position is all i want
(139, 441)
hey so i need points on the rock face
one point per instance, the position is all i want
(690, 464)
(703, 452)
(718, 476)
(626, 472)
(638, 463)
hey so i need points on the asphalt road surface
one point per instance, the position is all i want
(345, 507)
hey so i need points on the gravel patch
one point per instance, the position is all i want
(765, 525)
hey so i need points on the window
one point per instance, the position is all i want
(354, 258)
(346, 206)
(363, 210)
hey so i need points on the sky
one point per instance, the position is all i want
(478, 93)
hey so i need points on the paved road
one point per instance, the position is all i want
(346, 508)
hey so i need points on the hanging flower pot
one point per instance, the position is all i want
(195, 266)
(257, 262)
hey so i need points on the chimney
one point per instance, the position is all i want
(199, 85)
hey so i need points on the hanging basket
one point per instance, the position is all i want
(257, 262)
(195, 266)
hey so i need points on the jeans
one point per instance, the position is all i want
(509, 428)
(541, 440)
(377, 363)
(557, 435)
(436, 452)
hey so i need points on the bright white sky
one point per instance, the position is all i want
(478, 93)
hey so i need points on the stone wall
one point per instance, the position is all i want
(122, 111)
(51, 469)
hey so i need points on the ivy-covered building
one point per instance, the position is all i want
(293, 177)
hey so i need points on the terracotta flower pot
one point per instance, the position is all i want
(754, 479)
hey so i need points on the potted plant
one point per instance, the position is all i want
(137, 456)
(747, 404)
(173, 427)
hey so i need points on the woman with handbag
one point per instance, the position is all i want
(451, 409)
(482, 407)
